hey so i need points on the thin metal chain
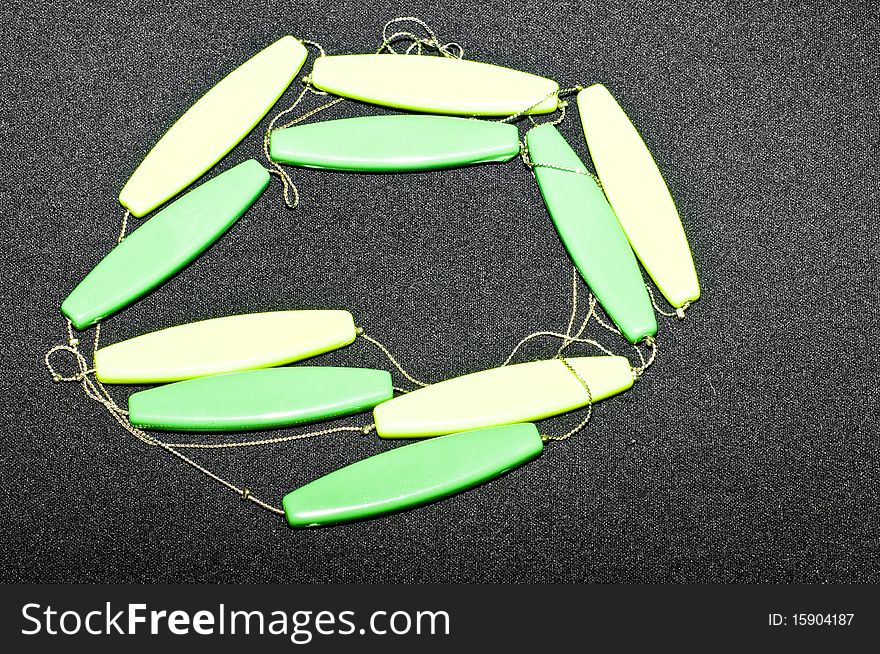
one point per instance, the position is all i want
(526, 158)
(574, 304)
(650, 341)
(607, 325)
(123, 228)
(559, 335)
(275, 168)
(567, 338)
(417, 42)
(678, 312)
(392, 359)
(268, 441)
(317, 46)
(310, 113)
(589, 407)
(96, 391)
(575, 277)
(244, 493)
(592, 313)
(583, 327)
(558, 93)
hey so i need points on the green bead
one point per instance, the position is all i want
(411, 475)
(591, 233)
(260, 399)
(165, 244)
(395, 143)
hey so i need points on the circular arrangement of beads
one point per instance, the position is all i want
(228, 375)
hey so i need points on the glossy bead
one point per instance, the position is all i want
(438, 85)
(395, 143)
(213, 126)
(412, 475)
(220, 345)
(260, 399)
(591, 233)
(499, 396)
(165, 244)
(639, 196)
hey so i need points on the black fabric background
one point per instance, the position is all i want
(750, 451)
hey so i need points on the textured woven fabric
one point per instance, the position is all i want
(748, 453)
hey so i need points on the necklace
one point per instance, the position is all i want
(228, 374)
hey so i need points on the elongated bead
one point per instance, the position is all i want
(228, 344)
(395, 143)
(499, 396)
(591, 233)
(161, 247)
(412, 475)
(260, 399)
(438, 85)
(639, 196)
(213, 126)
